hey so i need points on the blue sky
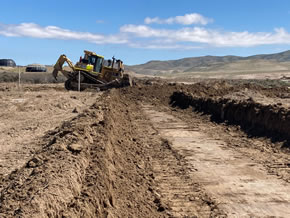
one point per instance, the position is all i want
(139, 31)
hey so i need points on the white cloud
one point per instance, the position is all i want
(155, 45)
(187, 19)
(53, 32)
(143, 36)
(210, 37)
(143, 31)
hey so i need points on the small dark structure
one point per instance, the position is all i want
(36, 68)
(7, 63)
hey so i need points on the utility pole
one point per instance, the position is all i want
(79, 81)
(19, 77)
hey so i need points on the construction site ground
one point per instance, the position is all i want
(208, 149)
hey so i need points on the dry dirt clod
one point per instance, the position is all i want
(75, 148)
(34, 162)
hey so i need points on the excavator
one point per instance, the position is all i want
(92, 71)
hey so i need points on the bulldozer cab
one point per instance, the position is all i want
(97, 62)
(94, 60)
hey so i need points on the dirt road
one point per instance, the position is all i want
(242, 187)
(145, 151)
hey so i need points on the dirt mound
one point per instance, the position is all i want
(91, 166)
(153, 90)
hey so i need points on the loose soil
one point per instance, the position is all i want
(153, 150)
(27, 112)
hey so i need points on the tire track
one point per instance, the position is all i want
(177, 186)
(242, 187)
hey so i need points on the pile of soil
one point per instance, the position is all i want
(153, 90)
(91, 166)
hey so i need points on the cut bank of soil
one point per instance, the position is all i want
(257, 119)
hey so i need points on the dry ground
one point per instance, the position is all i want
(27, 112)
(211, 149)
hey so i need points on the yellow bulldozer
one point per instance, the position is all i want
(92, 71)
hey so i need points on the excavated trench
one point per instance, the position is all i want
(255, 118)
(128, 155)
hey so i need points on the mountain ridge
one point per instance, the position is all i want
(261, 62)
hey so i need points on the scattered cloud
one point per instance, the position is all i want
(210, 37)
(155, 45)
(143, 31)
(53, 32)
(144, 36)
(187, 19)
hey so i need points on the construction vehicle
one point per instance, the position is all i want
(92, 71)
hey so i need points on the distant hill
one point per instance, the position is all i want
(279, 57)
(216, 66)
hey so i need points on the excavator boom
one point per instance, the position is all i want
(58, 66)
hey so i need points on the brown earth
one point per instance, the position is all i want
(29, 111)
(130, 153)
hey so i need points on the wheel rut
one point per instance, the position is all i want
(239, 186)
(183, 196)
